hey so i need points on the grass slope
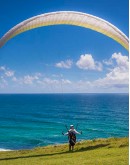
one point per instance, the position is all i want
(112, 151)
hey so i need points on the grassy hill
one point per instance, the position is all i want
(112, 151)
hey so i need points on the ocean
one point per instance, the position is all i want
(32, 120)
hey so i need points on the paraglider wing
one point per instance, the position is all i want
(69, 18)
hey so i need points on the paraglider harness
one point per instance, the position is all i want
(72, 138)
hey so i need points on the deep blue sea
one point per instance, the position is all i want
(32, 120)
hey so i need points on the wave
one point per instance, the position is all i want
(3, 149)
(96, 130)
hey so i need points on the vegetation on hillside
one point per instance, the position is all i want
(111, 151)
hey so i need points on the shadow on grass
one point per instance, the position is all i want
(59, 153)
(91, 147)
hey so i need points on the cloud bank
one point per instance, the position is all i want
(116, 78)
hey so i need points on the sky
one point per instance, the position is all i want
(63, 58)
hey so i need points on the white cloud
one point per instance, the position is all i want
(122, 61)
(108, 62)
(49, 81)
(5, 75)
(57, 75)
(87, 62)
(27, 79)
(54, 85)
(119, 75)
(9, 73)
(3, 82)
(14, 79)
(2, 68)
(64, 64)
(66, 81)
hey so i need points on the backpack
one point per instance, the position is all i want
(72, 138)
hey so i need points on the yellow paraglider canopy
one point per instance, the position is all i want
(69, 18)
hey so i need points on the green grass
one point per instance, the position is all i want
(112, 151)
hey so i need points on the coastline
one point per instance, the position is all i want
(104, 151)
(64, 144)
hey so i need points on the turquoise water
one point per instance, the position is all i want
(31, 120)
